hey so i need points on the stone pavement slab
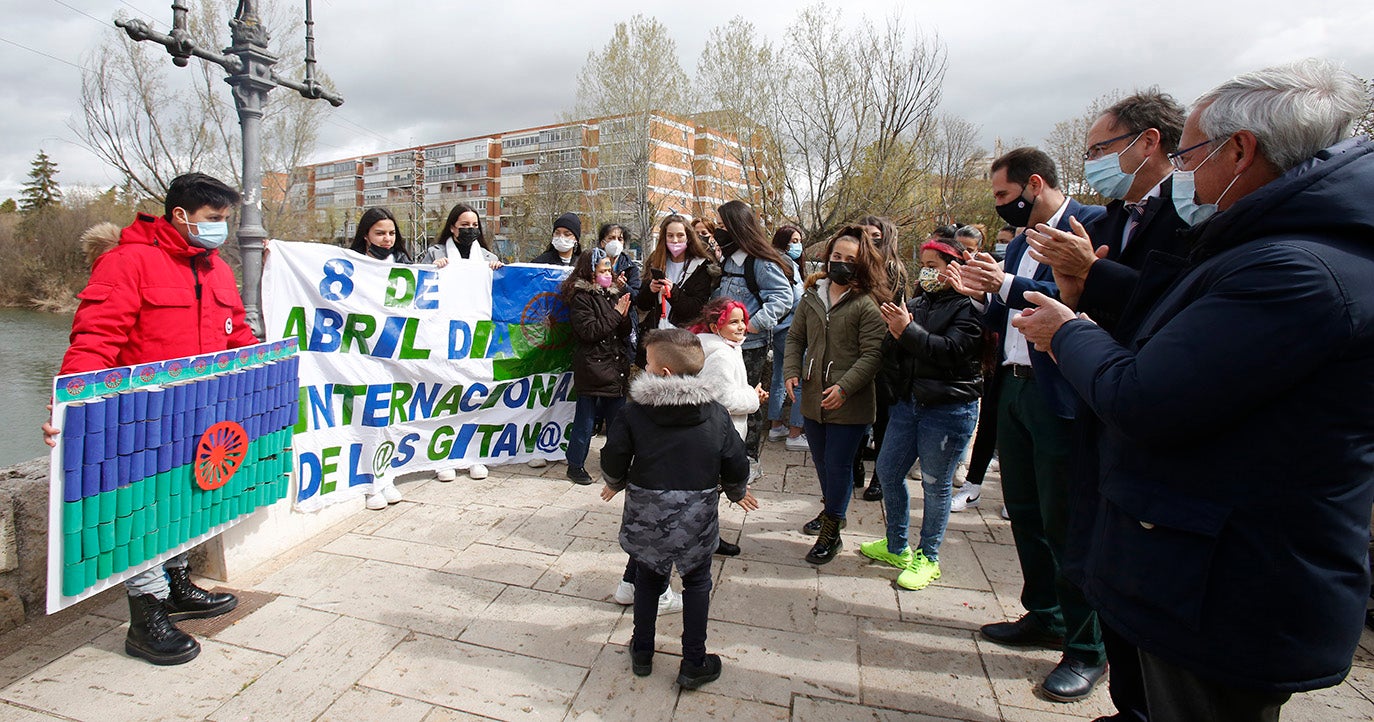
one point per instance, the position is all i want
(492, 600)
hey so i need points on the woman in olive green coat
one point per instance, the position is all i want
(834, 350)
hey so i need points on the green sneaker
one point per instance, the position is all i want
(919, 573)
(877, 550)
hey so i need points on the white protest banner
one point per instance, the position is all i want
(413, 368)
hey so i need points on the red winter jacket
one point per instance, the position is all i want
(152, 296)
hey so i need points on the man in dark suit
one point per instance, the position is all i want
(1035, 411)
(1127, 159)
(1230, 544)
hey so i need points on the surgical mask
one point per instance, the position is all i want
(468, 236)
(563, 244)
(1017, 211)
(930, 280)
(676, 249)
(1106, 177)
(1189, 210)
(603, 280)
(209, 234)
(794, 251)
(613, 248)
(841, 272)
(378, 252)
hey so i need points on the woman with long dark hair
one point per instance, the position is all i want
(679, 277)
(756, 274)
(788, 241)
(834, 351)
(379, 235)
(461, 234)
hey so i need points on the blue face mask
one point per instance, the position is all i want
(794, 250)
(208, 234)
(1188, 209)
(1106, 177)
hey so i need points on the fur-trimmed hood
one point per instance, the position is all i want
(583, 284)
(673, 400)
(97, 239)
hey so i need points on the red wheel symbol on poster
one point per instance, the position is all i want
(219, 454)
(538, 317)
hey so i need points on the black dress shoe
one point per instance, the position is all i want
(1072, 680)
(726, 549)
(1024, 632)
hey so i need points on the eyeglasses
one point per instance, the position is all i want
(1097, 149)
(1177, 159)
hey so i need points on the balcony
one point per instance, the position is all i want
(456, 195)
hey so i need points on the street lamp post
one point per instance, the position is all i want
(249, 65)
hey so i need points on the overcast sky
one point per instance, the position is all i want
(421, 71)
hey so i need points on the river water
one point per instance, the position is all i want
(31, 347)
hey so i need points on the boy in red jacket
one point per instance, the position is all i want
(158, 290)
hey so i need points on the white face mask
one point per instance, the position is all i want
(563, 244)
(1106, 176)
(1189, 210)
(613, 248)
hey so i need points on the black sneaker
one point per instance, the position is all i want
(579, 475)
(642, 663)
(690, 676)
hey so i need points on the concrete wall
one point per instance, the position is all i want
(24, 540)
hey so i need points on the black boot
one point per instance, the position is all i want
(188, 601)
(874, 492)
(813, 527)
(828, 543)
(153, 637)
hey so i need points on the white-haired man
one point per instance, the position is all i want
(1230, 540)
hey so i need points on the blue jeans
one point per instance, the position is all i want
(778, 393)
(588, 408)
(833, 447)
(937, 434)
(154, 580)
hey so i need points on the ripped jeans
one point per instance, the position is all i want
(937, 434)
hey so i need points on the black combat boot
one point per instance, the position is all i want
(828, 543)
(188, 601)
(153, 637)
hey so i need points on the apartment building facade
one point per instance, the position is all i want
(630, 170)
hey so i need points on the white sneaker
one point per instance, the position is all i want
(777, 433)
(624, 594)
(446, 474)
(537, 463)
(1006, 514)
(376, 502)
(477, 472)
(966, 498)
(797, 443)
(669, 603)
(915, 473)
(391, 494)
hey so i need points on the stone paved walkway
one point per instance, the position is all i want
(491, 599)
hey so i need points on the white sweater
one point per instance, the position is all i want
(724, 374)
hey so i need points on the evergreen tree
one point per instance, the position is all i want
(41, 190)
(9, 206)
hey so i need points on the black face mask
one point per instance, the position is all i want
(378, 252)
(1017, 211)
(467, 236)
(840, 272)
(725, 242)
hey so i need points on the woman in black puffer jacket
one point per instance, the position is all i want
(599, 311)
(931, 362)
